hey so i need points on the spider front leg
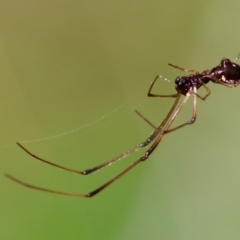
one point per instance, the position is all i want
(116, 159)
(134, 164)
(158, 95)
(165, 130)
(89, 170)
(145, 119)
(184, 69)
(207, 94)
(194, 114)
(153, 95)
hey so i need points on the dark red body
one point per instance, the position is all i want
(226, 72)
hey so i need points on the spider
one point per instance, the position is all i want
(227, 73)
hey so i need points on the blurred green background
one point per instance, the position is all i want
(66, 64)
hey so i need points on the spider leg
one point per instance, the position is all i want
(145, 119)
(114, 160)
(108, 183)
(153, 95)
(88, 195)
(194, 115)
(16, 180)
(157, 95)
(87, 171)
(184, 69)
(207, 94)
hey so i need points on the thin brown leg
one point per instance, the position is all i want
(157, 95)
(207, 94)
(143, 158)
(153, 95)
(116, 159)
(194, 115)
(145, 119)
(50, 163)
(184, 69)
(44, 189)
(167, 126)
(87, 171)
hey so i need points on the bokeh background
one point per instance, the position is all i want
(72, 72)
